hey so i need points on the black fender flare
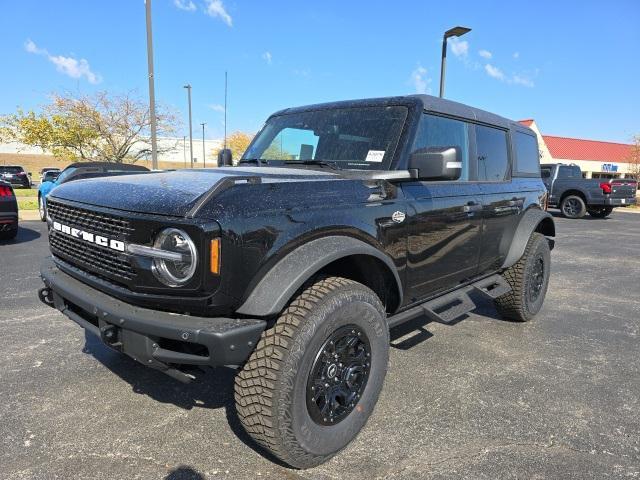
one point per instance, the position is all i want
(276, 288)
(529, 223)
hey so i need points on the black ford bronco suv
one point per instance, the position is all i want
(341, 221)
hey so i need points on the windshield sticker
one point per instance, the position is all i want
(375, 156)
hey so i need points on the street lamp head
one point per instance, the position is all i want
(456, 32)
(187, 86)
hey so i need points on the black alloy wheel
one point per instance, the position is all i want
(339, 375)
(537, 278)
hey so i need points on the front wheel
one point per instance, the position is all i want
(315, 376)
(600, 212)
(42, 209)
(529, 279)
(573, 206)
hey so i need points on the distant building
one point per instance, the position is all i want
(596, 159)
(173, 149)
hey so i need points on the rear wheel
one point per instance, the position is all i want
(529, 279)
(314, 378)
(10, 234)
(600, 212)
(573, 206)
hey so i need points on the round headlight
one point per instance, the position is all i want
(179, 271)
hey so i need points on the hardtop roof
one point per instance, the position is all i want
(426, 102)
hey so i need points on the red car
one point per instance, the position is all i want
(8, 212)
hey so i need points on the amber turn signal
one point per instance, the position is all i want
(215, 256)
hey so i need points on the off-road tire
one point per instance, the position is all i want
(270, 390)
(10, 235)
(602, 212)
(517, 304)
(573, 206)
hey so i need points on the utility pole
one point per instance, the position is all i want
(225, 110)
(152, 94)
(184, 150)
(188, 87)
(204, 155)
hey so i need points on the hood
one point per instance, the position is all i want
(173, 193)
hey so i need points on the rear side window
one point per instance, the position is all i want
(435, 131)
(566, 171)
(527, 153)
(493, 157)
(545, 172)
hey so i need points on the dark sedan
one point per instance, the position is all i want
(8, 212)
(15, 175)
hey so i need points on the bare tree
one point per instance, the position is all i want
(634, 157)
(101, 126)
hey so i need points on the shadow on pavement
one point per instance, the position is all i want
(412, 333)
(24, 235)
(184, 473)
(213, 388)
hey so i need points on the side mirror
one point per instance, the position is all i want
(29, 173)
(225, 157)
(436, 163)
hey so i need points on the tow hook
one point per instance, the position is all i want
(46, 296)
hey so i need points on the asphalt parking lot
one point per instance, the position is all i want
(558, 397)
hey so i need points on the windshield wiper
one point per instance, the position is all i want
(257, 161)
(321, 163)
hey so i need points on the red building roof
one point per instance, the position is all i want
(578, 149)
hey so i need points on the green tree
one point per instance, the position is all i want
(105, 127)
(237, 142)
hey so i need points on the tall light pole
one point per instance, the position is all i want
(152, 94)
(453, 32)
(204, 157)
(184, 150)
(188, 87)
(225, 110)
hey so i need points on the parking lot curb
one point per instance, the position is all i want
(28, 215)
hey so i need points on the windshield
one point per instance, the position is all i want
(358, 138)
(65, 173)
(50, 176)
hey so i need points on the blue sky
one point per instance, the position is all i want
(571, 65)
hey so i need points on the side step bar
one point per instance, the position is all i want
(453, 305)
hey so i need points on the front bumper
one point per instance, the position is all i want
(157, 339)
(8, 221)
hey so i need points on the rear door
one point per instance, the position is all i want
(501, 199)
(443, 224)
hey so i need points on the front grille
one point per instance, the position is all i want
(95, 222)
(89, 256)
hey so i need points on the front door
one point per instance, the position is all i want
(443, 236)
(444, 219)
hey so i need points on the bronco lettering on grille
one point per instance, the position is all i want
(89, 237)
